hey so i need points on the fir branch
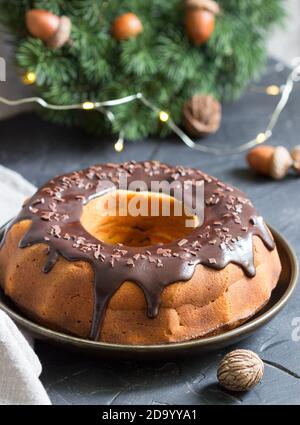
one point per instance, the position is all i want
(161, 62)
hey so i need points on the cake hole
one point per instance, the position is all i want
(137, 218)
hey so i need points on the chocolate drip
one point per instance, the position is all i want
(52, 258)
(226, 236)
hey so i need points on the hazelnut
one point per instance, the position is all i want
(240, 370)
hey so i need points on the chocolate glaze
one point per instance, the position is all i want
(226, 236)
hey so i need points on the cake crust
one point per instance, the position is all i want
(211, 302)
(138, 280)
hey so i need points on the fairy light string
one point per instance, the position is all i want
(164, 116)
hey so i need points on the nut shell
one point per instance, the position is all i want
(202, 115)
(240, 370)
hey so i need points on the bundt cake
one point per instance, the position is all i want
(71, 265)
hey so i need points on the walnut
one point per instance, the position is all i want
(240, 370)
(202, 115)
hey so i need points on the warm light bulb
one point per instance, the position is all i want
(261, 137)
(119, 145)
(88, 105)
(273, 90)
(164, 116)
(29, 78)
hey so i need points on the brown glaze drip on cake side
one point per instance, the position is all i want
(226, 236)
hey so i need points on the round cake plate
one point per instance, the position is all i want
(280, 295)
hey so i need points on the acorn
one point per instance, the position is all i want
(270, 161)
(53, 30)
(200, 19)
(295, 154)
(126, 26)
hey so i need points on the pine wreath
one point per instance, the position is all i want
(161, 62)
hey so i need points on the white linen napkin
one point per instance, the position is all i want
(14, 190)
(20, 368)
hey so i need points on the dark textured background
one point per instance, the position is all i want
(39, 150)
